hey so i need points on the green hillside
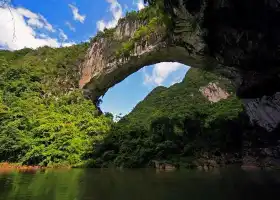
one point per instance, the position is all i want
(184, 99)
(44, 118)
(176, 124)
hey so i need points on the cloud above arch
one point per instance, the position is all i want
(22, 28)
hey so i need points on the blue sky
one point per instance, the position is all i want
(34, 23)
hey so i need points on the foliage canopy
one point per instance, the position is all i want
(175, 125)
(44, 118)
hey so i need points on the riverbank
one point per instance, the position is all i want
(8, 167)
(204, 163)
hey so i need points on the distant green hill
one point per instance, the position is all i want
(184, 99)
(176, 124)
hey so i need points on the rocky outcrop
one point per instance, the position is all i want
(264, 111)
(227, 37)
(205, 164)
(164, 166)
(214, 93)
(261, 158)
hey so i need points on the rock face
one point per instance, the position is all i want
(103, 69)
(264, 111)
(224, 36)
(162, 165)
(214, 93)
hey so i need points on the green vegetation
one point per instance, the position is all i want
(143, 15)
(106, 33)
(154, 20)
(44, 118)
(142, 34)
(175, 125)
(147, 15)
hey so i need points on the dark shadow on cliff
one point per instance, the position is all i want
(243, 34)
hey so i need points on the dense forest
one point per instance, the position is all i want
(177, 125)
(44, 118)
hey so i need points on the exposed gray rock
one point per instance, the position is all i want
(264, 111)
(250, 163)
(214, 93)
(205, 164)
(161, 165)
(267, 152)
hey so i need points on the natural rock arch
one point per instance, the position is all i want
(116, 54)
(224, 36)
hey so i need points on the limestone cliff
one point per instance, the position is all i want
(213, 92)
(133, 44)
(264, 111)
(227, 37)
(221, 35)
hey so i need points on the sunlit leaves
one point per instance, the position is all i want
(44, 119)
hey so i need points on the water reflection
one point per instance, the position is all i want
(48, 185)
(93, 184)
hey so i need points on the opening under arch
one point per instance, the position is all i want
(124, 96)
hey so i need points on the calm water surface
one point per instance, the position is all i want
(93, 184)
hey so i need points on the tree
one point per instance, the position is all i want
(44, 117)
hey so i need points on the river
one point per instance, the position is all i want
(145, 184)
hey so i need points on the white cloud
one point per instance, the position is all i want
(140, 4)
(177, 79)
(160, 72)
(117, 13)
(19, 29)
(101, 25)
(77, 16)
(4, 3)
(68, 44)
(35, 20)
(47, 26)
(62, 35)
(43, 35)
(70, 26)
